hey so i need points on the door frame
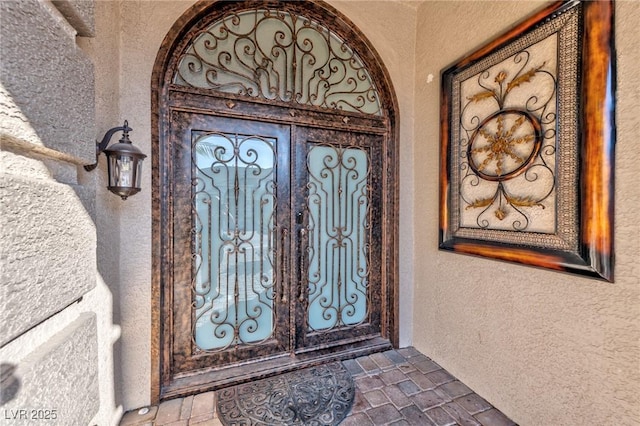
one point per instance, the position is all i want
(165, 97)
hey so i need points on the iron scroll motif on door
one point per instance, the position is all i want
(338, 192)
(277, 55)
(527, 144)
(234, 197)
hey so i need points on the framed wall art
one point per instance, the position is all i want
(527, 143)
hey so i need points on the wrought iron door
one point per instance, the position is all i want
(245, 287)
(231, 207)
(275, 195)
(338, 222)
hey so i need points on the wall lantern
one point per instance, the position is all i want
(124, 162)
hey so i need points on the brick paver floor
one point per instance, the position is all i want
(397, 387)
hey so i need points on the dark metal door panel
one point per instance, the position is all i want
(337, 240)
(231, 198)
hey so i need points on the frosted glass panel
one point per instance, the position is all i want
(338, 206)
(233, 246)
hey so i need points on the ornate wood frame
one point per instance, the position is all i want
(239, 106)
(586, 108)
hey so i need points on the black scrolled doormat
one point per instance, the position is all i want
(320, 395)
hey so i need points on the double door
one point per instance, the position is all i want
(276, 242)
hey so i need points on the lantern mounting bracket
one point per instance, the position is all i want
(101, 146)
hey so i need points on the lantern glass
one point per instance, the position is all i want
(125, 173)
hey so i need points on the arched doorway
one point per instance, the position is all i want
(275, 195)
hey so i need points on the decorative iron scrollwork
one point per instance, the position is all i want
(234, 196)
(338, 236)
(278, 55)
(507, 150)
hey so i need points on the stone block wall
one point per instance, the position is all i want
(47, 82)
(57, 332)
(70, 360)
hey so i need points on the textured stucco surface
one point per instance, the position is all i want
(40, 60)
(545, 348)
(103, 50)
(144, 24)
(60, 375)
(79, 13)
(48, 254)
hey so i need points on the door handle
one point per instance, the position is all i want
(303, 233)
(283, 264)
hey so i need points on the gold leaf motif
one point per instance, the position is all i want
(523, 202)
(482, 202)
(480, 96)
(524, 78)
(500, 77)
(500, 214)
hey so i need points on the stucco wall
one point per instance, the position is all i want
(103, 49)
(544, 347)
(144, 25)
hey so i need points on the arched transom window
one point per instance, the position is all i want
(278, 55)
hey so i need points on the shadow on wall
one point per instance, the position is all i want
(9, 383)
